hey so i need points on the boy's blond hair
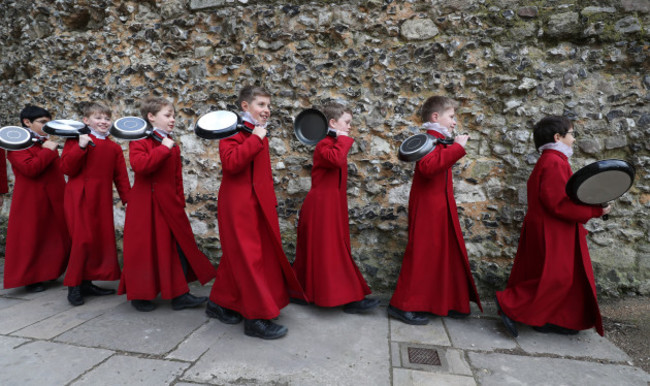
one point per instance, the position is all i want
(248, 93)
(153, 105)
(334, 110)
(436, 104)
(91, 108)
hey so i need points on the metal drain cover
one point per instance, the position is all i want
(423, 356)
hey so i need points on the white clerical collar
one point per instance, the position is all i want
(558, 146)
(246, 116)
(436, 127)
(98, 135)
(162, 133)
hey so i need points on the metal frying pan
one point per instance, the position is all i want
(17, 138)
(219, 124)
(131, 128)
(67, 128)
(600, 182)
(417, 146)
(310, 127)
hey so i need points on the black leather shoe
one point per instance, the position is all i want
(509, 323)
(360, 306)
(143, 305)
(457, 315)
(74, 296)
(552, 328)
(407, 317)
(264, 328)
(35, 287)
(187, 300)
(89, 289)
(299, 301)
(213, 310)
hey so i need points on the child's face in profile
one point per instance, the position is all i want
(163, 119)
(37, 125)
(259, 108)
(99, 122)
(568, 138)
(445, 119)
(342, 124)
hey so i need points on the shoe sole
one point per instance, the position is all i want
(256, 335)
(507, 322)
(215, 315)
(360, 310)
(184, 306)
(407, 321)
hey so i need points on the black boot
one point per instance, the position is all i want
(264, 328)
(457, 314)
(89, 289)
(408, 317)
(187, 300)
(35, 287)
(143, 305)
(509, 323)
(213, 310)
(360, 306)
(552, 328)
(74, 296)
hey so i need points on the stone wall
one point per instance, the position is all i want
(507, 62)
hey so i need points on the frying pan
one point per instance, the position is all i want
(219, 124)
(417, 146)
(17, 138)
(600, 182)
(310, 127)
(131, 128)
(67, 128)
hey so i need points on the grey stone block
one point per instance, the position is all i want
(405, 377)
(478, 334)
(431, 334)
(133, 371)
(27, 313)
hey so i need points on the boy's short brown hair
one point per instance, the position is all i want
(248, 93)
(544, 131)
(334, 110)
(436, 104)
(153, 105)
(91, 108)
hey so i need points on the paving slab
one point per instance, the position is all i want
(27, 313)
(64, 321)
(9, 343)
(21, 293)
(323, 347)
(585, 344)
(133, 371)
(5, 302)
(433, 333)
(203, 339)
(46, 363)
(405, 377)
(126, 329)
(502, 369)
(478, 334)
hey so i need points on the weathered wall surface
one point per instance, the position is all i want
(508, 62)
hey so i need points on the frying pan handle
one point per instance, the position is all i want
(42, 140)
(331, 133)
(605, 217)
(86, 130)
(445, 141)
(241, 126)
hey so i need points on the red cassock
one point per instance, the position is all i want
(156, 225)
(324, 264)
(552, 280)
(435, 275)
(4, 187)
(254, 276)
(89, 208)
(38, 243)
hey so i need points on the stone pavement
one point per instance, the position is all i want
(45, 341)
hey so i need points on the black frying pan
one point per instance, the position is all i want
(67, 128)
(17, 138)
(600, 182)
(134, 128)
(310, 127)
(219, 124)
(415, 147)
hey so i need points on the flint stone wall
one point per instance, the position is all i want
(508, 63)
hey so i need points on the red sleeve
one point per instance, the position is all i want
(440, 159)
(235, 155)
(121, 177)
(32, 164)
(555, 200)
(73, 158)
(179, 179)
(144, 160)
(4, 187)
(334, 154)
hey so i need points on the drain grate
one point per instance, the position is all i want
(423, 356)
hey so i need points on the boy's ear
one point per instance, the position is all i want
(332, 122)
(434, 116)
(150, 117)
(84, 120)
(557, 137)
(244, 106)
(27, 122)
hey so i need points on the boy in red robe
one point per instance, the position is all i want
(88, 204)
(435, 276)
(38, 244)
(160, 253)
(254, 277)
(324, 264)
(551, 285)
